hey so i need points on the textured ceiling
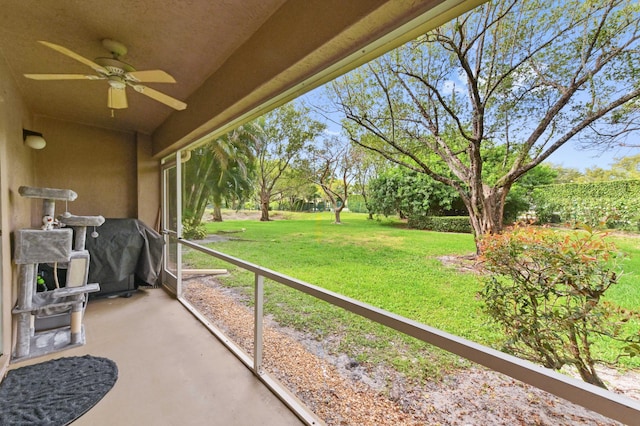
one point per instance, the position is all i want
(187, 39)
(228, 57)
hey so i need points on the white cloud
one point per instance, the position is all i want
(449, 87)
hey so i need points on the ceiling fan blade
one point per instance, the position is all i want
(117, 98)
(63, 77)
(159, 96)
(150, 76)
(75, 56)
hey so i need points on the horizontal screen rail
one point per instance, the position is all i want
(594, 398)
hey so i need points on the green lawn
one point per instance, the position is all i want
(383, 264)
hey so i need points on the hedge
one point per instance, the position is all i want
(441, 223)
(617, 204)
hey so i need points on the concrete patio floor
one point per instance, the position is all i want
(172, 370)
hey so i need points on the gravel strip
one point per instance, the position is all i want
(343, 395)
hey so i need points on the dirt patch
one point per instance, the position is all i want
(251, 215)
(468, 263)
(341, 391)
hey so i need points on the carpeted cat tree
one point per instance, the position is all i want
(52, 244)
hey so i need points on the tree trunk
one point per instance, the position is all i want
(590, 376)
(217, 214)
(582, 361)
(485, 214)
(336, 213)
(193, 209)
(367, 205)
(264, 206)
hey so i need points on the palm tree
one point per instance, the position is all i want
(223, 168)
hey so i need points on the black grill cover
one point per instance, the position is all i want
(124, 247)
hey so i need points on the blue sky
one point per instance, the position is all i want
(571, 155)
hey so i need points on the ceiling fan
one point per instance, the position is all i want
(118, 74)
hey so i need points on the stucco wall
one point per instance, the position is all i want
(15, 170)
(148, 196)
(98, 164)
(113, 174)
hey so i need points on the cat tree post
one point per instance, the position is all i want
(26, 274)
(79, 225)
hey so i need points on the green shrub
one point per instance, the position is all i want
(441, 223)
(409, 193)
(545, 289)
(194, 232)
(617, 204)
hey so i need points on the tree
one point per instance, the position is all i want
(224, 167)
(332, 167)
(527, 76)
(288, 131)
(627, 167)
(597, 174)
(566, 174)
(520, 198)
(368, 167)
(410, 194)
(295, 189)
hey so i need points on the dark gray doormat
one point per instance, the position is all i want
(55, 392)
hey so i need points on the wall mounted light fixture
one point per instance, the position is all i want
(33, 139)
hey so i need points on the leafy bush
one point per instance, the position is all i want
(441, 223)
(194, 232)
(408, 193)
(412, 194)
(615, 203)
(545, 289)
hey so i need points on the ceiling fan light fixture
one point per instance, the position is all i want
(118, 74)
(117, 98)
(33, 140)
